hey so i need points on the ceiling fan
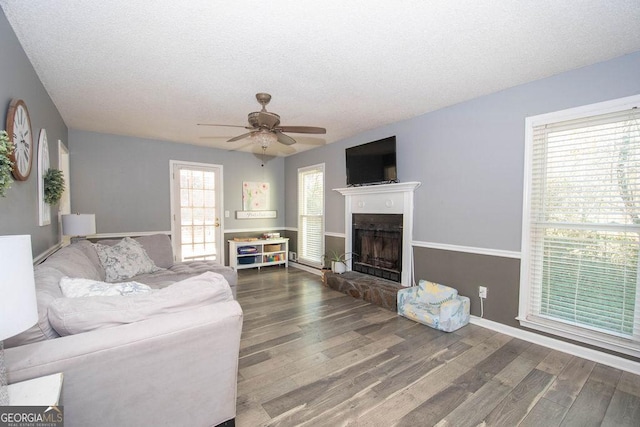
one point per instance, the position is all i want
(265, 126)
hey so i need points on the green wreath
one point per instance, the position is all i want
(53, 186)
(6, 166)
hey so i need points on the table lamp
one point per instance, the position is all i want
(18, 307)
(79, 226)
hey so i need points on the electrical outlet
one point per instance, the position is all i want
(482, 291)
(293, 256)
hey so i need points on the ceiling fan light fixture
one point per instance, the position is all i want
(264, 138)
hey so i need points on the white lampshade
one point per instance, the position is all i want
(18, 308)
(78, 224)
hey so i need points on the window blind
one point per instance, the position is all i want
(584, 225)
(311, 215)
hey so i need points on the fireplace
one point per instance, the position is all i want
(391, 207)
(377, 245)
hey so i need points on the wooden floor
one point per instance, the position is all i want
(312, 356)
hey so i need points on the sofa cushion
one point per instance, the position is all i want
(124, 260)
(183, 270)
(435, 293)
(157, 246)
(75, 287)
(196, 267)
(78, 260)
(76, 315)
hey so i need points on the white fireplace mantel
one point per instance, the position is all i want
(382, 199)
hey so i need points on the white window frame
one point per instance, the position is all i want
(301, 258)
(557, 328)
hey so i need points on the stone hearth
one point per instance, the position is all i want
(366, 287)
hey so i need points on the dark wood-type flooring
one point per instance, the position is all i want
(315, 357)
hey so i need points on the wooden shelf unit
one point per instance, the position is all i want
(268, 252)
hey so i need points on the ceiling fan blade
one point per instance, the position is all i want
(239, 137)
(229, 126)
(302, 129)
(242, 147)
(285, 139)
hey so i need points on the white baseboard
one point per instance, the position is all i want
(305, 268)
(563, 346)
(330, 234)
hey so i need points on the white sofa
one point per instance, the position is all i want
(176, 367)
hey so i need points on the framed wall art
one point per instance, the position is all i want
(255, 196)
(255, 201)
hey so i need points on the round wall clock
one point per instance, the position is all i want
(19, 131)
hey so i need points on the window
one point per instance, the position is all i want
(581, 225)
(311, 215)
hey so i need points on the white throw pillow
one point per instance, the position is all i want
(124, 260)
(77, 287)
(76, 315)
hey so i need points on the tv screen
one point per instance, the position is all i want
(372, 163)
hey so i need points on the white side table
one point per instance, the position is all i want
(42, 391)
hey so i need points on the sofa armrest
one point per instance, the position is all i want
(454, 314)
(177, 369)
(406, 295)
(449, 308)
(410, 291)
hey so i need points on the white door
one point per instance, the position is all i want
(196, 204)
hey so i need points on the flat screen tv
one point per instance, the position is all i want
(372, 163)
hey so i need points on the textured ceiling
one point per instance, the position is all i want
(156, 68)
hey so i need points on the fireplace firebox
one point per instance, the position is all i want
(377, 245)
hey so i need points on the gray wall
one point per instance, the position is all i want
(469, 158)
(472, 162)
(19, 209)
(125, 181)
(467, 271)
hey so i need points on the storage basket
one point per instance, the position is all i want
(271, 248)
(246, 260)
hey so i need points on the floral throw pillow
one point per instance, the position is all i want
(124, 260)
(78, 287)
